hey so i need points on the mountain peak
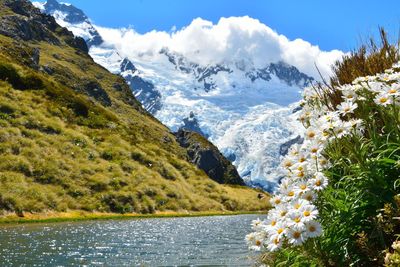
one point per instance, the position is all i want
(127, 65)
(74, 19)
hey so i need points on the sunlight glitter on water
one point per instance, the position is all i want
(206, 241)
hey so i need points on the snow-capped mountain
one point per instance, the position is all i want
(244, 109)
(72, 18)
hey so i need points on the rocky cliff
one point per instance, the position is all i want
(207, 157)
(73, 137)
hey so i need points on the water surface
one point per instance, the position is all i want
(196, 241)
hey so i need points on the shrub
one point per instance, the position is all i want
(120, 203)
(30, 81)
(350, 162)
(141, 157)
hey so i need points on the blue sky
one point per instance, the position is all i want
(329, 24)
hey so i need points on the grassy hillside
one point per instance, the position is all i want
(72, 136)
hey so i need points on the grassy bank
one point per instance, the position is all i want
(72, 137)
(73, 216)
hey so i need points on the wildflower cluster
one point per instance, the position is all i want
(294, 216)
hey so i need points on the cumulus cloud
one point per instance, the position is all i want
(229, 40)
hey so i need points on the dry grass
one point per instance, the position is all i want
(62, 150)
(369, 59)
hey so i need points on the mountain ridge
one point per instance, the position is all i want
(219, 96)
(73, 137)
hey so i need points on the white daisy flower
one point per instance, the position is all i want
(257, 225)
(288, 193)
(319, 182)
(347, 107)
(278, 231)
(255, 241)
(295, 219)
(280, 212)
(311, 134)
(383, 99)
(309, 196)
(349, 95)
(287, 163)
(274, 244)
(301, 187)
(276, 200)
(309, 212)
(296, 236)
(313, 229)
(393, 90)
(322, 161)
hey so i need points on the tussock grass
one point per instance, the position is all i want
(62, 149)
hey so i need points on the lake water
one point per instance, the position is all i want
(196, 241)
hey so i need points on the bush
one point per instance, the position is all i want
(119, 203)
(352, 150)
(141, 157)
(30, 81)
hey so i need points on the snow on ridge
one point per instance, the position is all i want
(39, 5)
(247, 119)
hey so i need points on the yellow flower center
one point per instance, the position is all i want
(300, 174)
(309, 197)
(283, 213)
(311, 134)
(318, 183)
(303, 187)
(288, 164)
(297, 206)
(276, 241)
(296, 235)
(291, 193)
(258, 243)
(314, 150)
(312, 228)
(296, 220)
(273, 223)
(280, 231)
(306, 213)
(302, 159)
(392, 91)
(383, 100)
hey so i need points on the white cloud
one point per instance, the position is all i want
(233, 38)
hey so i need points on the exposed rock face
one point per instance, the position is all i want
(284, 149)
(127, 65)
(74, 15)
(31, 25)
(296, 109)
(143, 90)
(192, 124)
(35, 58)
(94, 89)
(285, 72)
(202, 74)
(290, 74)
(208, 158)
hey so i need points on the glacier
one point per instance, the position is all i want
(246, 110)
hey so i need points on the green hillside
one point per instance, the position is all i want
(72, 136)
